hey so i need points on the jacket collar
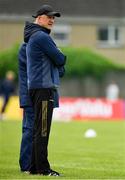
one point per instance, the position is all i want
(31, 28)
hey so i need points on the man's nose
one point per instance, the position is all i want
(52, 19)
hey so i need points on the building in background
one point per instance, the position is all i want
(95, 24)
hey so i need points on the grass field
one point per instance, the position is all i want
(70, 152)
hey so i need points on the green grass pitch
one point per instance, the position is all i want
(70, 153)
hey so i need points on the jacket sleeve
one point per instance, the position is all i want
(51, 50)
(61, 71)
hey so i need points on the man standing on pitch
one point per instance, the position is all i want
(45, 64)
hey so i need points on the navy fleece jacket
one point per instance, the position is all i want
(44, 59)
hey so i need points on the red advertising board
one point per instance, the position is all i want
(89, 108)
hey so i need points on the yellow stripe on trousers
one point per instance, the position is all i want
(44, 118)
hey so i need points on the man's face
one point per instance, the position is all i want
(46, 21)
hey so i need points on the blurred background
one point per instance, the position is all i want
(90, 32)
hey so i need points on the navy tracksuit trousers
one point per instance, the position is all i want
(27, 136)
